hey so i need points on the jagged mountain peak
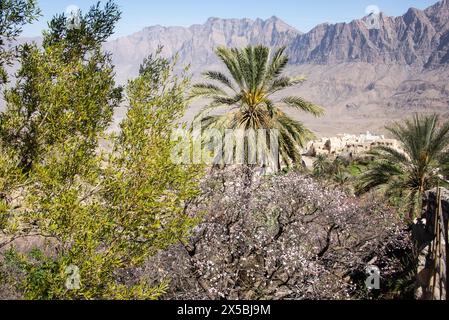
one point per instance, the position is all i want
(413, 14)
(195, 44)
(419, 39)
(402, 62)
(411, 39)
(281, 25)
(440, 5)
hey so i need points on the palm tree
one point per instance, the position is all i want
(419, 166)
(321, 166)
(248, 98)
(341, 177)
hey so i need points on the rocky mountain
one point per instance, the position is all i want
(195, 44)
(364, 75)
(418, 38)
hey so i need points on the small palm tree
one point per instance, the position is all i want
(341, 177)
(321, 166)
(419, 166)
(248, 98)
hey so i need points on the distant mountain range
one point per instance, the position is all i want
(363, 76)
(195, 45)
(418, 38)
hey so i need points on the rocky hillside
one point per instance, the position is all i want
(364, 77)
(195, 44)
(418, 38)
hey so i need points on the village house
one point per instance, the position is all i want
(349, 145)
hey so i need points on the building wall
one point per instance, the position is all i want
(349, 144)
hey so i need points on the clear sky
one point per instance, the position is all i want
(301, 14)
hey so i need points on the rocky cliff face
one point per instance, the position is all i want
(418, 38)
(363, 76)
(195, 45)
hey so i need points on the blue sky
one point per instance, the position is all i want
(302, 14)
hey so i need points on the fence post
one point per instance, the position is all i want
(431, 234)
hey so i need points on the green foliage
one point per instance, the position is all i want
(255, 78)
(55, 100)
(140, 173)
(340, 171)
(94, 28)
(322, 166)
(14, 14)
(4, 208)
(356, 169)
(103, 209)
(10, 175)
(108, 212)
(421, 164)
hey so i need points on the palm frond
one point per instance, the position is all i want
(440, 139)
(229, 58)
(254, 79)
(379, 174)
(206, 90)
(217, 102)
(407, 174)
(301, 104)
(284, 83)
(278, 64)
(219, 77)
(389, 154)
(261, 55)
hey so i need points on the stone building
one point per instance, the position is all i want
(351, 145)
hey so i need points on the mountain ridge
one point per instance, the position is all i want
(194, 45)
(363, 76)
(410, 39)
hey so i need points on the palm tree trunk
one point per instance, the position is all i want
(412, 206)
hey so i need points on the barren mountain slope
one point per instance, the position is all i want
(364, 77)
